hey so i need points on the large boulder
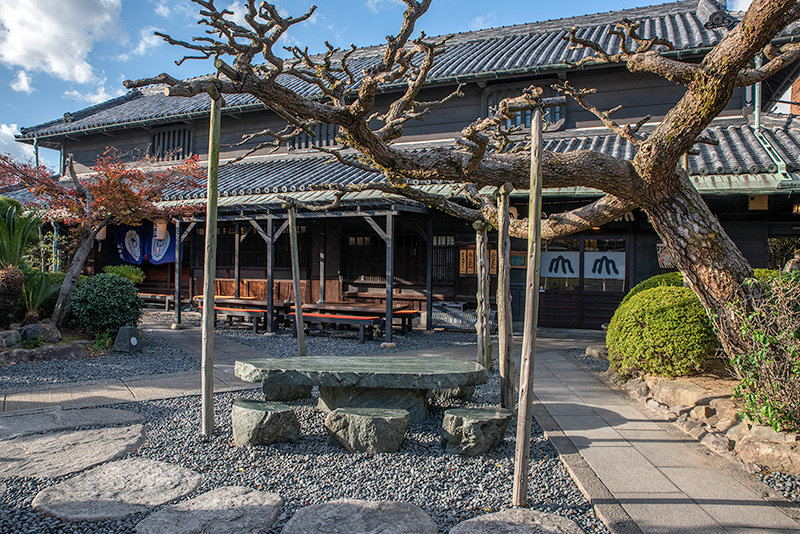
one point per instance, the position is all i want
(677, 392)
(518, 521)
(784, 457)
(47, 333)
(473, 431)
(370, 430)
(263, 423)
(361, 517)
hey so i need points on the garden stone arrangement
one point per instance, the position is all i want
(179, 482)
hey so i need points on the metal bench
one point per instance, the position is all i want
(323, 318)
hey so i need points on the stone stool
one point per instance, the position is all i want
(369, 430)
(263, 423)
(473, 431)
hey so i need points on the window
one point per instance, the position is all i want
(174, 144)
(561, 264)
(553, 117)
(324, 136)
(444, 259)
(604, 265)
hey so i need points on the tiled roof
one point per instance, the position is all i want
(512, 49)
(733, 165)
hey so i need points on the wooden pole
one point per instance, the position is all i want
(523, 450)
(210, 265)
(429, 279)
(323, 249)
(270, 275)
(298, 299)
(389, 277)
(508, 373)
(178, 261)
(482, 295)
(237, 265)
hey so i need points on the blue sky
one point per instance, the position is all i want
(65, 55)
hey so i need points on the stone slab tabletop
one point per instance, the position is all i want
(405, 372)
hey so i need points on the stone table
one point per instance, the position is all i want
(367, 381)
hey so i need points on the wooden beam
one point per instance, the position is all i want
(429, 278)
(178, 243)
(482, 295)
(188, 230)
(237, 264)
(375, 226)
(298, 299)
(260, 231)
(508, 374)
(270, 239)
(389, 238)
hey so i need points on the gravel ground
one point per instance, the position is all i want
(450, 488)
(598, 366)
(156, 357)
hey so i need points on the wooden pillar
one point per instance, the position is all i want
(523, 448)
(482, 296)
(298, 298)
(322, 251)
(178, 261)
(210, 265)
(237, 265)
(270, 275)
(429, 279)
(389, 276)
(508, 374)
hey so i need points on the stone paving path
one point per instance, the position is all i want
(641, 475)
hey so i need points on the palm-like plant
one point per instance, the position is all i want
(16, 231)
(36, 289)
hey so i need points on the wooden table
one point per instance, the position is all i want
(367, 381)
(352, 308)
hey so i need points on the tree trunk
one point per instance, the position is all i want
(709, 260)
(61, 310)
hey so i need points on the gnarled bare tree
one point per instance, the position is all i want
(652, 181)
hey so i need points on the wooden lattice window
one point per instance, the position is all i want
(173, 144)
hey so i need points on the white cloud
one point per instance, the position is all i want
(147, 42)
(101, 93)
(238, 10)
(739, 5)
(9, 146)
(171, 9)
(483, 21)
(377, 5)
(55, 36)
(22, 83)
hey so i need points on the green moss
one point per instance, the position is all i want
(660, 331)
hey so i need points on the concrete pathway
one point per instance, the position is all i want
(640, 474)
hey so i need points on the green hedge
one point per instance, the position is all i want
(105, 302)
(673, 279)
(660, 331)
(131, 272)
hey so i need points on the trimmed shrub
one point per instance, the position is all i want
(105, 302)
(661, 331)
(673, 279)
(131, 272)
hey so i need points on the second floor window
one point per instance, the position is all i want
(325, 136)
(174, 144)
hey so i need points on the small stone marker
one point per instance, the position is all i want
(474, 431)
(116, 489)
(518, 521)
(285, 392)
(60, 453)
(12, 426)
(263, 423)
(128, 340)
(361, 517)
(225, 510)
(371, 430)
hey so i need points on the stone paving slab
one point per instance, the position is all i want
(61, 453)
(517, 521)
(12, 426)
(116, 489)
(361, 517)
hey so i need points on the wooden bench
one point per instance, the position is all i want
(405, 316)
(157, 298)
(323, 318)
(229, 313)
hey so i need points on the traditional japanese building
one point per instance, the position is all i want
(750, 178)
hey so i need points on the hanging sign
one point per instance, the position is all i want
(161, 250)
(561, 264)
(130, 243)
(605, 265)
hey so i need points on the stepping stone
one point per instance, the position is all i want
(60, 453)
(285, 392)
(361, 517)
(518, 521)
(116, 489)
(263, 423)
(473, 431)
(226, 510)
(369, 430)
(12, 426)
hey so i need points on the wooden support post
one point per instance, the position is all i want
(322, 250)
(508, 373)
(298, 299)
(523, 450)
(429, 279)
(178, 261)
(237, 264)
(389, 277)
(270, 275)
(482, 295)
(210, 265)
